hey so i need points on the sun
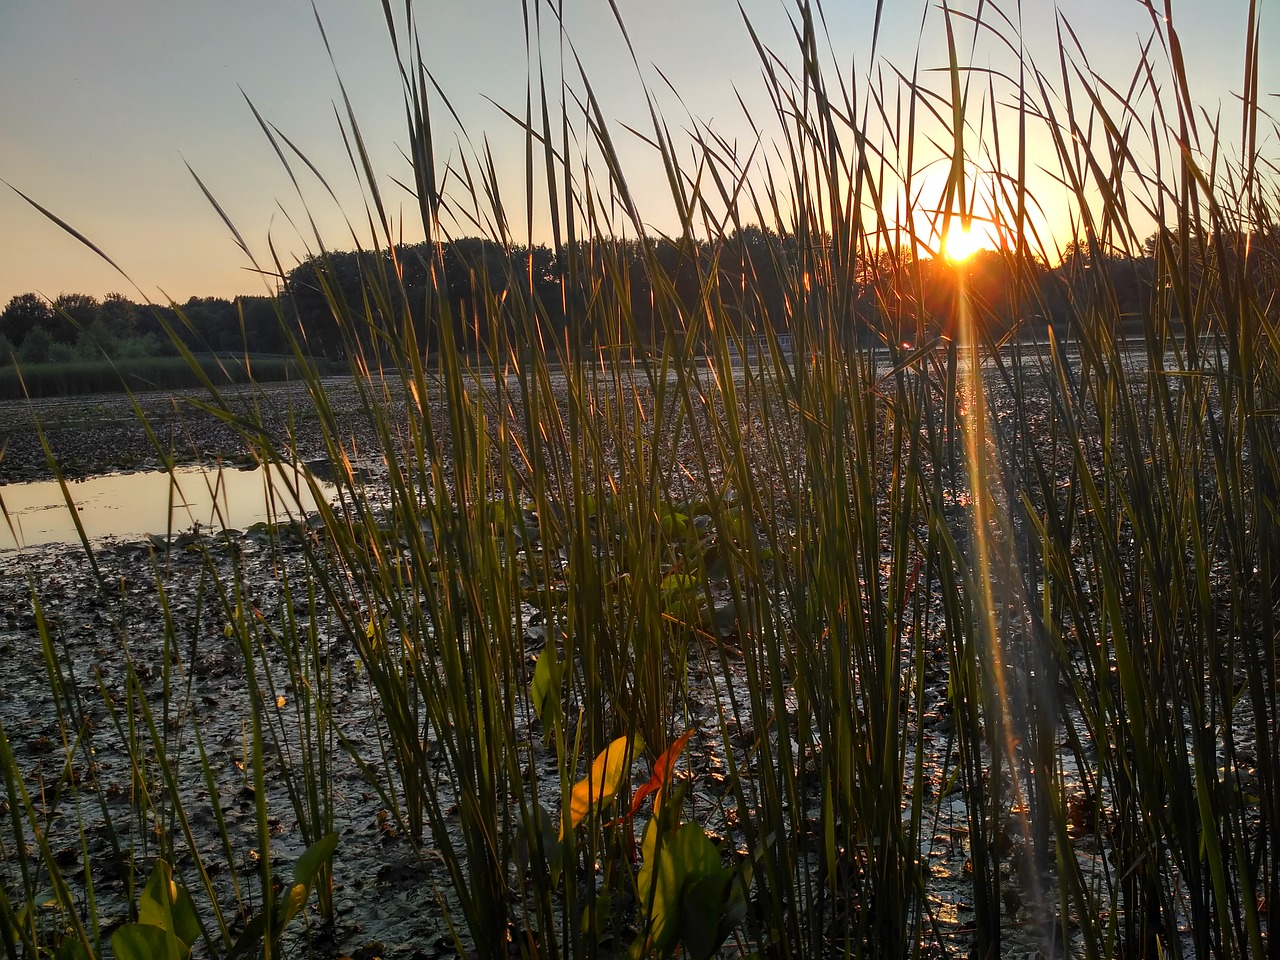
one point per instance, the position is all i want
(961, 243)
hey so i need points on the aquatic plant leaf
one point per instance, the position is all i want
(534, 829)
(72, 949)
(596, 915)
(157, 895)
(250, 936)
(167, 924)
(545, 688)
(145, 941)
(716, 563)
(597, 789)
(305, 872)
(186, 923)
(308, 866)
(653, 892)
(670, 871)
(703, 902)
(681, 597)
(166, 904)
(661, 773)
(674, 524)
(678, 585)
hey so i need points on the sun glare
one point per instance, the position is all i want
(961, 243)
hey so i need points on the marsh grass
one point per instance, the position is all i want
(1015, 592)
(139, 374)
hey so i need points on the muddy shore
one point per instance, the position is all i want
(145, 607)
(101, 433)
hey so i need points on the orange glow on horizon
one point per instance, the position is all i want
(961, 243)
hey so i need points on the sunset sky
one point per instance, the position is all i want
(101, 104)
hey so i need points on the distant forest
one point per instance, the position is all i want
(488, 291)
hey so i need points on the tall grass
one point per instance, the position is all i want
(74, 378)
(976, 634)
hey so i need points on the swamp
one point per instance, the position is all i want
(840, 608)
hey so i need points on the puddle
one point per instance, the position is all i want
(129, 506)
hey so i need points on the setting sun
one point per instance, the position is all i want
(962, 243)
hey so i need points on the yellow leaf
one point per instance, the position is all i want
(602, 784)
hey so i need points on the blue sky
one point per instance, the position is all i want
(101, 104)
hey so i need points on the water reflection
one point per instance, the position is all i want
(132, 505)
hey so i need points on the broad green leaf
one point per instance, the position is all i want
(536, 830)
(305, 872)
(155, 903)
(678, 585)
(674, 525)
(669, 870)
(716, 562)
(600, 787)
(145, 941)
(292, 903)
(308, 866)
(703, 901)
(681, 597)
(545, 688)
(167, 904)
(698, 856)
(655, 901)
(250, 936)
(186, 923)
(734, 910)
(73, 949)
(596, 915)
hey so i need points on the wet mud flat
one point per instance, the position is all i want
(115, 637)
(141, 620)
(145, 617)
(101, 433)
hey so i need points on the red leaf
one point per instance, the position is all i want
(661, 771)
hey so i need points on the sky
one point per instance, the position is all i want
(104, 106)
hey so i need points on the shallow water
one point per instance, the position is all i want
(133, 505)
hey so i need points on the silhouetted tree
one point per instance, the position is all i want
(1102, 286)
(119, 315)
(261, 319)
(24, 313)
(753, 268)
(322, 294)
(72, 313)
(213, 324)
(474, 283)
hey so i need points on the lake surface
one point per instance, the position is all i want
(130, 506)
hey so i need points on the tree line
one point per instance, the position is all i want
(594, 293)
(76, 326)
